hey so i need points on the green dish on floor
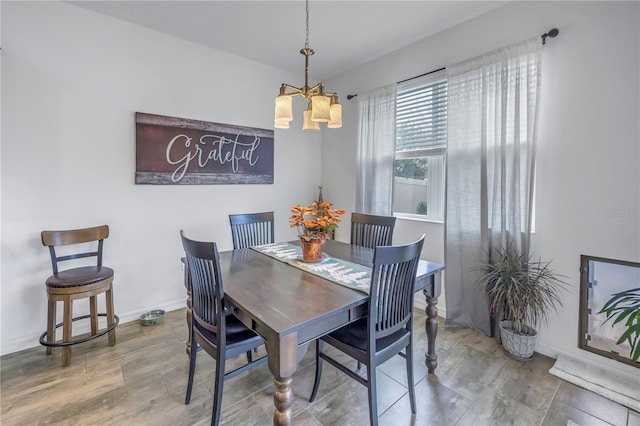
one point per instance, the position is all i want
(152, 317)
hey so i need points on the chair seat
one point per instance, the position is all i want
(237, 332)
(355, 334)
(77, 277)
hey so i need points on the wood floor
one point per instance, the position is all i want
(142, 380)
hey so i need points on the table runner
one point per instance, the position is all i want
(339, 271)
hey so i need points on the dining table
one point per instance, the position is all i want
(290, 307)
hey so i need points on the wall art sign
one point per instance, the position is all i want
(179, 151)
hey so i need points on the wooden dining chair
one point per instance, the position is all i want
(78, 282)
(251, 229)
(370, 230)
(214, 328)
(388, 327)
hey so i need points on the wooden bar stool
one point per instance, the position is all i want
(77, 283)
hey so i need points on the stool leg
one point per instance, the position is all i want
(93, 310)
(110, 320)
(51, 324)
(66, 330)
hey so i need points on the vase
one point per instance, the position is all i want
(518, 346)
(312, 249)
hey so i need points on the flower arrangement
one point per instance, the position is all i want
(315, 222)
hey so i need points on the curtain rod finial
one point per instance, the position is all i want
(551, 33)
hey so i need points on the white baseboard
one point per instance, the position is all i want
(31, 341)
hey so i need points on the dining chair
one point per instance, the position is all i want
(370, 230)
(78, 282)
(386, 330)
(251, 229)
(214, 328)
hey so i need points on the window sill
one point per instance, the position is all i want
(415, 218)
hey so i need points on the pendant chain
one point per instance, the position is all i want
(306, 43)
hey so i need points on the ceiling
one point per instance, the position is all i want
(343, 34)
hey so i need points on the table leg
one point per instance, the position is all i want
(431, 326)
(282, 399)
(283, 361)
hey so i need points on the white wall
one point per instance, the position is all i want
(71, 83)
(72, 80)
(588, 163)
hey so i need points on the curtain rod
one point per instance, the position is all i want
(421, 75)
(552, 33)
(406, 79)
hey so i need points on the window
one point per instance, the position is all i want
(421, 140)
(600, 279)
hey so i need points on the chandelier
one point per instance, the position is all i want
(322, 107)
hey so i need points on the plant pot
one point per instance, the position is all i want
(312, 249)
(519, 346)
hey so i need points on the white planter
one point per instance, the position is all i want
(519, 346)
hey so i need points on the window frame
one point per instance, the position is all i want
(437, 152)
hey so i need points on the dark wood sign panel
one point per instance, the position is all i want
(178, 151)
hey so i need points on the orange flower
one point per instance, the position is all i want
(315, 221)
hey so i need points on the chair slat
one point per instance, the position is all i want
(371, 230)
(251, 229)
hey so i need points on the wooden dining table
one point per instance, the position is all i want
(289, 307)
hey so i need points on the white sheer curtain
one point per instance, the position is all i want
(492, 115)
(376, 150)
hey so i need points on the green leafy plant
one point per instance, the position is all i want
(414, 168)
(626, 305)
(422, 208)
(519, 289)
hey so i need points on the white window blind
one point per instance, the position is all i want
(421, 114)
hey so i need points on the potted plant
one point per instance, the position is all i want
(521, 292)
(626, 305)
(314, 223)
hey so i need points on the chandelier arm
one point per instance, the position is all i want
(293, 90)
(316, 90)
(305, 92)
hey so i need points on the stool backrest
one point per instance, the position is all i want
(52, 239)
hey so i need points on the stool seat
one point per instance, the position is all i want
(77, 277)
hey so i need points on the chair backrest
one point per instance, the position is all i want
(207, 293)
(251, 229)
(52, 239)
(370, 230)
(393, 279)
